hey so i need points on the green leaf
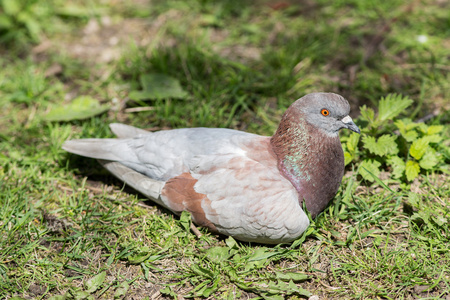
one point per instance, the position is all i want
(28, 19)
(433, 129)
(80, 295)
(286, 276)
(434, 138)
(138, 258)
(440, 220)
(421, 215)
(185, 220)
(392, 105)
(414, 199)
(418, 148)
(211, 20)
(168, 291)
(383, 146)
(6, 22)
(157, 87)
(262, 254)
(33, 27)
(370, 165)
(57, 297)
(405, 124)
(270, 296)
(352, 148)
(285, 288)
(139, 255)
(121, 290)
(95, 282)
(216, 254)
(231, 243)
(299, 241)
(412, 170)
(410, 135)
(82, 107)
(398, 166)
(370, 143)
(347, 158)
(299, 290)
(423, 127)
(429, 159)
(407, 129)
(367, 114)
(75, 11)
(202, 271)
(444, 150)
(11, 7)
(352, 143)
(209, 290)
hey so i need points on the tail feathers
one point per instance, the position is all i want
(126, 131)
(149, 187)
(94, 148)
(107, 149)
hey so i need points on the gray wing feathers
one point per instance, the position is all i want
(126, 131)
(149, 187)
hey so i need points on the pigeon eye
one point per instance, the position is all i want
(324, 112)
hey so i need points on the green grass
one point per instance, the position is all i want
(69, 230)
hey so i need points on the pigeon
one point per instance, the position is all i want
(235, 183)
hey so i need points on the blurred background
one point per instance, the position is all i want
(236, 63)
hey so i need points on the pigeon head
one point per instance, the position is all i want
(326, 111)
(308, 148)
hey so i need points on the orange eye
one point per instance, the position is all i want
(325, 112)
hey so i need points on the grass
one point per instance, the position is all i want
(69, 230)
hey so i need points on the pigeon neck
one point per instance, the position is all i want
(310, 159)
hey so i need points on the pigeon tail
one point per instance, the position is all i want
(93, 148)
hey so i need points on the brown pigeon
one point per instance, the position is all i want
(236, 183)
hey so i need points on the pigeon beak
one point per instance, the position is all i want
(347, 120)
